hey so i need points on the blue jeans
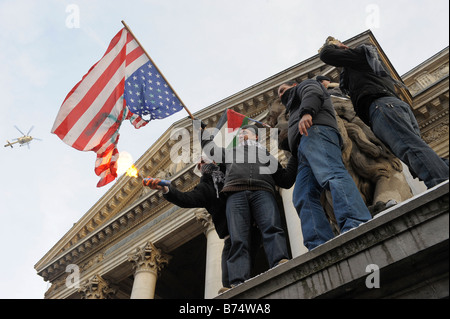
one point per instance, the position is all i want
(320, 167)
(223, 263)
(393, 122)
(242, 209)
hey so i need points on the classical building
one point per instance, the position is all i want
(134, 244)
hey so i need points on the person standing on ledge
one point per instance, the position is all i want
(251, 176)
(314, 138)
(372, 91)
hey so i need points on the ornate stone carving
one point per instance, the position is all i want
(148, 258)
(205, 218)
(377, 173)
(428, 78)
(437, 133)
(91, 262)
(97, 288)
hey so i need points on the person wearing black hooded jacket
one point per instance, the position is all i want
(206, 194)
(372, 91)
(314, 137)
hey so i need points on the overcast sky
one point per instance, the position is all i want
(207, 49)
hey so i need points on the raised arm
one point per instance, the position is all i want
(342, 56)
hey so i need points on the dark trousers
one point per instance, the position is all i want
(242, 209)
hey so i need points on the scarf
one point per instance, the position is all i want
(252, 143)
(217, 175)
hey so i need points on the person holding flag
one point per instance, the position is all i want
(249, 185)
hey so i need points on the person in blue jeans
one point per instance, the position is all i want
(251, 176)
(314, 136)
(372, 90)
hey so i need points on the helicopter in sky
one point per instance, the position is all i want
(23, 140)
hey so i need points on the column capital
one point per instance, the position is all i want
(205, 218)
(148, 258)
(97, 288)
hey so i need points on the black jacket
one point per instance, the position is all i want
(308, 97)
(358, 78)
(249, 168)
(203, 195)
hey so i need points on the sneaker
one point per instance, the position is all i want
(282, 261)
(222, 290)
(391, 202)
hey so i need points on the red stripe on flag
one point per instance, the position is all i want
(133, 55)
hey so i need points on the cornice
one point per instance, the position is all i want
(431, 102)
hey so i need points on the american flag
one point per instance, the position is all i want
(123, 84)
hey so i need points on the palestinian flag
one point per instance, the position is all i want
(228, 127)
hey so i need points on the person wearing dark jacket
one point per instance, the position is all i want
(372, 91)
(314, 137)
(251, 176)
(205, 194)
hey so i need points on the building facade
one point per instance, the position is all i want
(134, 244)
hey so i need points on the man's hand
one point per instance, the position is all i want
(304, 124)
(331, 40)
(153, 184)
(202, 125)
(341, 45)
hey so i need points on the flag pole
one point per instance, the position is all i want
(151, 60)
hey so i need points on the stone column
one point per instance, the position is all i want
(214, 247)
(97, 288)
(293, 223)
(147, 263)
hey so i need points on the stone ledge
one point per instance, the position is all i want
(408, 242)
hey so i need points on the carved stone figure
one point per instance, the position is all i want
(375, 170)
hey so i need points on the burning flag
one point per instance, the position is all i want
(123, 84)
